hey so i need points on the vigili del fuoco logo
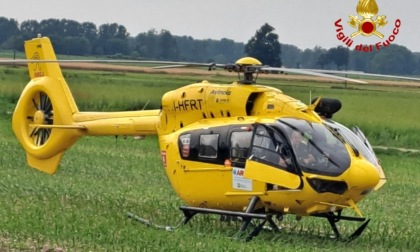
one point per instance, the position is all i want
(367, 23)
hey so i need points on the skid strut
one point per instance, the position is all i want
(334, 218)
(263, 218)
(246, 217)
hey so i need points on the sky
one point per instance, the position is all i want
(304, 23)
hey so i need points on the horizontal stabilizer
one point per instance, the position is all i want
(52, 126)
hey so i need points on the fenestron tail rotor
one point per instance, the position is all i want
(42, 116)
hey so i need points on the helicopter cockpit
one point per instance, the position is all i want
(289, 144)
(300, 146)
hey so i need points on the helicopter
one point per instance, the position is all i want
(241, 150)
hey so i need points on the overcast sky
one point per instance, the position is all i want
(304, 23)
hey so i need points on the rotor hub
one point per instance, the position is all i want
(248, 61)
(39, 117)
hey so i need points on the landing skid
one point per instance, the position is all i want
(262, 218)
(246, 217)
(334, 218)
(151, 224)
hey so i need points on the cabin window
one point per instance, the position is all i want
(208, 146)
(240, 142)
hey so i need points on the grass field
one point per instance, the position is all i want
(84, 206)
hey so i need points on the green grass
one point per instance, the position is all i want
(83, 207)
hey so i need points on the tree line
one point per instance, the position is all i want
(394, 59)
(70, 37)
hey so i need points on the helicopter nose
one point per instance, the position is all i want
(363, 176)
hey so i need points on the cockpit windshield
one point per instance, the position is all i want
(356, 142)
(316, 149)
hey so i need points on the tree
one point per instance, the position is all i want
(339, 56)
(51, 27)
(8, 28)
(30, 29)
(291, 56)
(394, 59)
(112, 39)
(360, 61)
(116, 46)
(89, 31)
(77, 45)
(323, 60)
(417, 59)
(146, 44)
(72, 28)
(309, 57)
(226, 48)
(264, 45)
(111, 31)
(14, 43)
(167, 46)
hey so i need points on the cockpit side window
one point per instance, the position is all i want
(240, 142)
(269, 147)
(208, 146)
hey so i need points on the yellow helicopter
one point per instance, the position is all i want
(241, 150)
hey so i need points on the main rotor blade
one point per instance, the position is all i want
(23, 61)
(164, 64)
(312, 73)
(168, 66)
(361, 73)
(331, 74)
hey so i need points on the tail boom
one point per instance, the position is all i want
(132, 123)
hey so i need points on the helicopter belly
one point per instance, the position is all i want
(304, 202)
(217, 186)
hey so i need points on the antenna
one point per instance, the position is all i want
(310, 96)
(145, 105)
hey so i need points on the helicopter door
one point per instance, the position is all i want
(359, 133)
(270, 160)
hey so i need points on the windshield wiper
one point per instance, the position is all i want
(322, 152)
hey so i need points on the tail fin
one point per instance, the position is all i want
(44, 133)
(41, 49)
